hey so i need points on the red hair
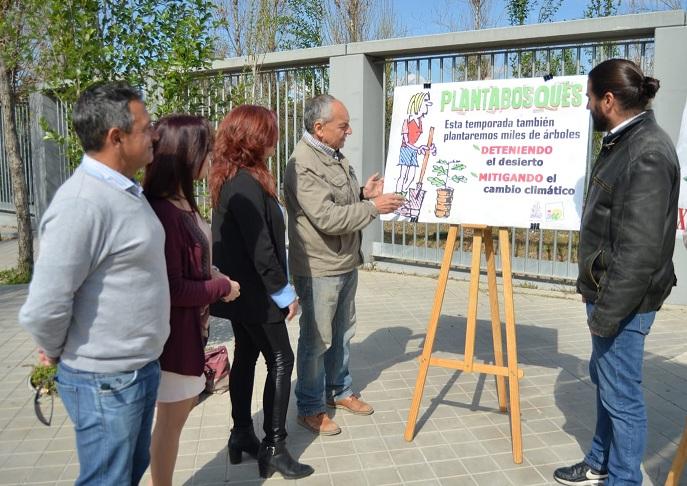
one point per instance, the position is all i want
(241, 141)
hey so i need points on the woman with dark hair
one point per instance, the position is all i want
(181, 155)
(248, 243)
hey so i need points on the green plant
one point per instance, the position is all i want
(14, 276)
(443, 171)
(158, 47)
(42, 378)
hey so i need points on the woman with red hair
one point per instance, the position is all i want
(249, 244)
(181, 155)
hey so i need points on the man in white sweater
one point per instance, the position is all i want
(98, 303)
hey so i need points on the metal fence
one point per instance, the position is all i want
(284, 87)
(283, 90)
(64, 111)
(549, 254)
(22, 118)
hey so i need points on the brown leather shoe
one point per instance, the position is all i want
(320, 424)
(353, 404)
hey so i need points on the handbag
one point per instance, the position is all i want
(216, 367)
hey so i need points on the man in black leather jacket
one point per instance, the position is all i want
(627, 237)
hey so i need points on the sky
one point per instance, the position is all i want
(418, 22)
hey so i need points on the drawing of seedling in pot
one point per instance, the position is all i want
(445, 171)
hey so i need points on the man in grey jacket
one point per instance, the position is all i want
(327, 211)
(98, 303)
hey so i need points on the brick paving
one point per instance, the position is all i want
(461, 438)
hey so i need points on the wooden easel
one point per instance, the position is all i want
(482, 234)
(675, 472)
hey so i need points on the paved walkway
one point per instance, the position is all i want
(461, 437)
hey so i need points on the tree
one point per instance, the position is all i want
(451, 17)
(637, 6)
(250, 27)
(361, 20)
(19, 22)
(156, 46)
(349, 20)
(388, 24)
(519, 11)
(527, 63)
(601, 8)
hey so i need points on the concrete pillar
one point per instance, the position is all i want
(358, 82)
(669, 69)
(45, 155)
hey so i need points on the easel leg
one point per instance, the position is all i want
(511, 346)
(431, 333)
(470, 329)
(675, 472)
(495, 317)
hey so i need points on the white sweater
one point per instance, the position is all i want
(99, 297)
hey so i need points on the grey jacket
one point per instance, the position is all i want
(325, 213)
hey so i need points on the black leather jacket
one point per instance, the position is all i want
(628, 225)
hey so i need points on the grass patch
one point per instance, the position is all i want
(13, 276)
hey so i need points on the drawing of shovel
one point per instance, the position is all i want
(415, 196)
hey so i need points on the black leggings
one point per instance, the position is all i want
(272, 340)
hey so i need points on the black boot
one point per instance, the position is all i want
(242, 439)
(273, 458)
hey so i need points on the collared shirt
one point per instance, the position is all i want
(322, 147)
(617, 128)
(111, 176)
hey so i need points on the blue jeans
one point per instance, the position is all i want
(327, 325)
(615, 368)
(112, 415)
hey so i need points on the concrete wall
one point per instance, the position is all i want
(670, 69)
(357, 81)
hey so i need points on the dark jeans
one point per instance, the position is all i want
(272, 340)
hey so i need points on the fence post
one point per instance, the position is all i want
(356, 80)
(669, 63)
(45, 155)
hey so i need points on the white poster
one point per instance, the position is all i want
(497, 152)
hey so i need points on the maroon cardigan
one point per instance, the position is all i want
(189, 289)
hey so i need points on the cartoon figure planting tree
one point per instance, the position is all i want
(418, 107)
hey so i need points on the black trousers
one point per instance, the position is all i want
(272, 340)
